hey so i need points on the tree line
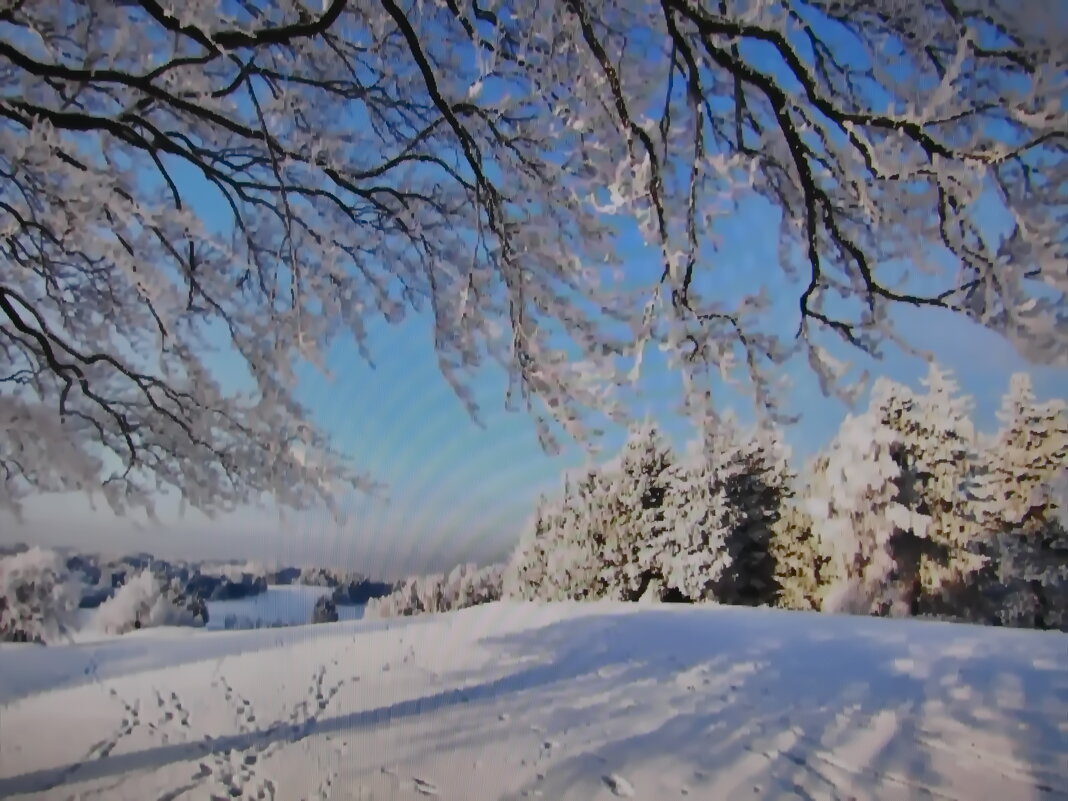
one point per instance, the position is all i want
(907, 512)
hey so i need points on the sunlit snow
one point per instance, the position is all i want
(563, 701)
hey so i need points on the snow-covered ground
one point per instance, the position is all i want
(584, 702)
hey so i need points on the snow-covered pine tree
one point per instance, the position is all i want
(626, 520)
(936, 566)
(692, 554)
(571, 551)
(645, 527)
(801, 566)
(721, 506)
(750, 470)
(599, 539)
(524, 575)
(1027, 473)
(477, 585)
(465, 585)
(859, 519)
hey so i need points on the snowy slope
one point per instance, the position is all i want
(581, 702)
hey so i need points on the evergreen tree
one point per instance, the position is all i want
(801, 566)
(645, 527)
(575, 567)
(628, 516)
(1027, 473)
(692, 555)
(525, 573)
(599, 540)
(860, 520)
(722, 507)
(752, 474)
(935, 450)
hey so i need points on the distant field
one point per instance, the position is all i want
(287, 605)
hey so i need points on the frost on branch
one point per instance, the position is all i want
(192, 191)
(38, 597)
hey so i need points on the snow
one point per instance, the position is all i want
(556, 701)
(141, 602)
(281, 605)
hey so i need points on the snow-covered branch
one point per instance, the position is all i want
(198, 190)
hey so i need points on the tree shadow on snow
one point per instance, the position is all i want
(761, 701)
(768, 704)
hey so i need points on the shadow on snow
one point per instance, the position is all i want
(770, 698)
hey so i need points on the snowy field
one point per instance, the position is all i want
(582, 702)
(280, 605)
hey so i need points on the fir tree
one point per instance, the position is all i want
(860, 520)
(631, 523)
(1027, 472)
(801, 566)
(935, 451)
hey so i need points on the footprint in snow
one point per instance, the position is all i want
(618, 785)
(424, 787)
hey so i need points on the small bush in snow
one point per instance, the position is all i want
(467, 585)
(38, 597)
(325, 610)
(145, 601)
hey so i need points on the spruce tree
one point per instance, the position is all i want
(802, 573)
(935, 451)
(1027, 473)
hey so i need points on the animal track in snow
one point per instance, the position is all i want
(171, 712)
(130, 721)
(236, 770)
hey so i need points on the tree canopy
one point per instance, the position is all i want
(472, 160)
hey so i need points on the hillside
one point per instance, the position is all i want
(567, 701)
